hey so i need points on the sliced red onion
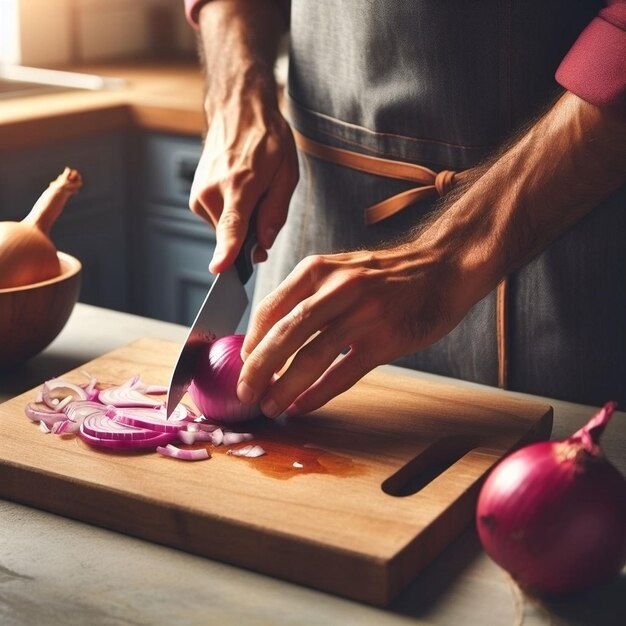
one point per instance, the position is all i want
(126, 444)
(231, 438)
(128, 394)
(56, 390)
(91, 388)
(64, 427)
(154, 419)
(41, 414)
(249, 451)
(198, 454)
(218, 437)
(193, 436)
(101, 426)
(77, 411)
(124, 417)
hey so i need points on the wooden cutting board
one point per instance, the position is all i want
(385, 476)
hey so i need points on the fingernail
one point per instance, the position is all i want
(269, 408)
(244, 355)
(245, 393)
(218, 253)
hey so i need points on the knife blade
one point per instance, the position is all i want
(219, 315)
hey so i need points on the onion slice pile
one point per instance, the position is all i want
(125, 417)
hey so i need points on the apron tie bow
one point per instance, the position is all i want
(431, 184)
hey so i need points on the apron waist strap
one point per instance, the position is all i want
(431, 184)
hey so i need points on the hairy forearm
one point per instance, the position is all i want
(238, 41)
(515, 205)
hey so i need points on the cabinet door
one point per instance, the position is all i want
(93, 225)
(172, 276)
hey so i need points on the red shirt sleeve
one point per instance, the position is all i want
(192, 8)
(595, 67)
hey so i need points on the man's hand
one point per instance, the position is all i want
(379, 305)
(248, 159)
(249, 156)
(384, 304)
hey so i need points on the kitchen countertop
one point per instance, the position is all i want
(56, 571)
(161, 96)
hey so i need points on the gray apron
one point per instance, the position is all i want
(442, 84)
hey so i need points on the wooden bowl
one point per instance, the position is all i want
(31, 316)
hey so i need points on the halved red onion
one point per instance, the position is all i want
(214, 385)
(198, 454)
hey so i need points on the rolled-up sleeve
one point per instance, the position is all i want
(192, 8)
(595, 67)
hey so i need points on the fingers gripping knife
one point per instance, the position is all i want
(218, 316)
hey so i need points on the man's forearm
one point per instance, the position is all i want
(238, 41)
(559, 170)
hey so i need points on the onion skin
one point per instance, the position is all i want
(27, 254)
(214, 386)
(553, 514)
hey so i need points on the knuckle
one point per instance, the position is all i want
(285, 326)
(365, 361)
(299, 314)
(353, 280)
(314, 266)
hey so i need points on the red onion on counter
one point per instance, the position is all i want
(553, 514)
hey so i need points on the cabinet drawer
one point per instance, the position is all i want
(169, 163)
(171, 261)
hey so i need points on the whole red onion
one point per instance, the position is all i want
(214, 386)
(553, 514)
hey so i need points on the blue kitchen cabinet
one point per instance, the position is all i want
(93, 226)
(171, 274)
(174, 246)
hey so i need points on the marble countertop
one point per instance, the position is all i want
(56, 571)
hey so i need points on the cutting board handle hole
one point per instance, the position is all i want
(430, 463)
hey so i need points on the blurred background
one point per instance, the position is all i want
(48, 33)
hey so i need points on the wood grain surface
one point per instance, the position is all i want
(365, 512)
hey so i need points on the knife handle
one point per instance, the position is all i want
(243, 262)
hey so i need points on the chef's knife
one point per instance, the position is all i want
(218, 316)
